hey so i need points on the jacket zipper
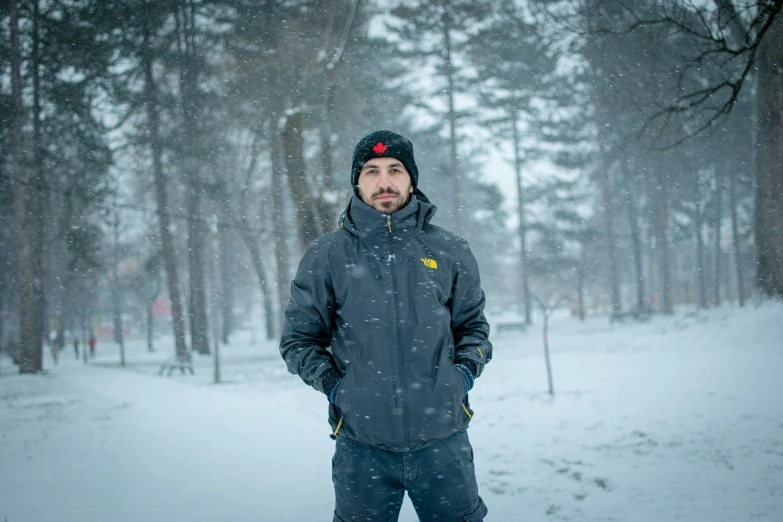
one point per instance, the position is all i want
(403, 382)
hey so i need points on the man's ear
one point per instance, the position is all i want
(411, 190)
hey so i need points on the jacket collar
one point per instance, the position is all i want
(369, 224)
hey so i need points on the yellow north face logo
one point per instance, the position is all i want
(429, 263)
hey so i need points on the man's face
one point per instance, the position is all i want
(385, 185)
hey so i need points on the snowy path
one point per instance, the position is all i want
(109, 445)
(677, 419)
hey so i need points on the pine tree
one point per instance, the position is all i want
(514, 64)
(436, 34)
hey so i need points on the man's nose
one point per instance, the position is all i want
(384, 181)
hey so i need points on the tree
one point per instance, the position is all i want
(733, 41)
(437, 32)
(302, 82)
(154, 140)
(37, 192)
(116, 292)
(30, 338)
(192, 157)
(148, 286)
(769, 153)
(514, 62)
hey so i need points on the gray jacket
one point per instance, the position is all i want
(392, 303)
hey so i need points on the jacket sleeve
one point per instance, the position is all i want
(468, 324)
(308, 319)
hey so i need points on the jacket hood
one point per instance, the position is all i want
(362, 220)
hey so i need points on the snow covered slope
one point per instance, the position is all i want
(680, 418)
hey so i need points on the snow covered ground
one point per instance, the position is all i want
(680, 418)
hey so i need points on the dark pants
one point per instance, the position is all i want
(440, 479)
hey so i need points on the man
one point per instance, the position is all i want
(386, 319)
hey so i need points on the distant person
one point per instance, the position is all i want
(76, 347)
(91, 343)
(386, 319)
(55, 352)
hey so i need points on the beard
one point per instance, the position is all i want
(387, 206)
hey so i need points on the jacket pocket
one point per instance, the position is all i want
(340, 392)
(460, 381)
(463, 410)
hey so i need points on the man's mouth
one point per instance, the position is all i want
(385, 196)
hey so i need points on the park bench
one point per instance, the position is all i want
(180, 362)
(503, 326)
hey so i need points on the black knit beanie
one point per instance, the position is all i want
(384, 144)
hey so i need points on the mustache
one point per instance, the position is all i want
(385, 191)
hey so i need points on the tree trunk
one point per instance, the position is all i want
(150, 318)
(281, 237)
(651, 275)
(150, 325)
(662, 243)
(199, 335)
(716, 290)
(522, 230)
(581, 290)
(3, 291)
(452, 117)
(304, 203)
(31, 349)
(606, 192)
(227, 287)
(251, 240)
(597, 58)
(697, 230)
(116, 296)
(169, 255)
(215, 303)
(326, 208)
(735, 239)
(769, 164)
(252, 244)
(38, 192)
(83, 330)
(191, 176)
(64, 277)
(327, 203)
(636, 243)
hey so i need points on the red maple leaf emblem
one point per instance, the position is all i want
(379, 148)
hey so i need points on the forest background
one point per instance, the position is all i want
(165, 163)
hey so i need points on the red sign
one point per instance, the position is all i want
(161, 308)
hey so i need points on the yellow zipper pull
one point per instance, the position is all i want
(388, 222)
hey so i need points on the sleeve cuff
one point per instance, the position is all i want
(470, 365)
(467, 376)
(329, 381)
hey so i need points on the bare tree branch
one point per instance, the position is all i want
(693, 103)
